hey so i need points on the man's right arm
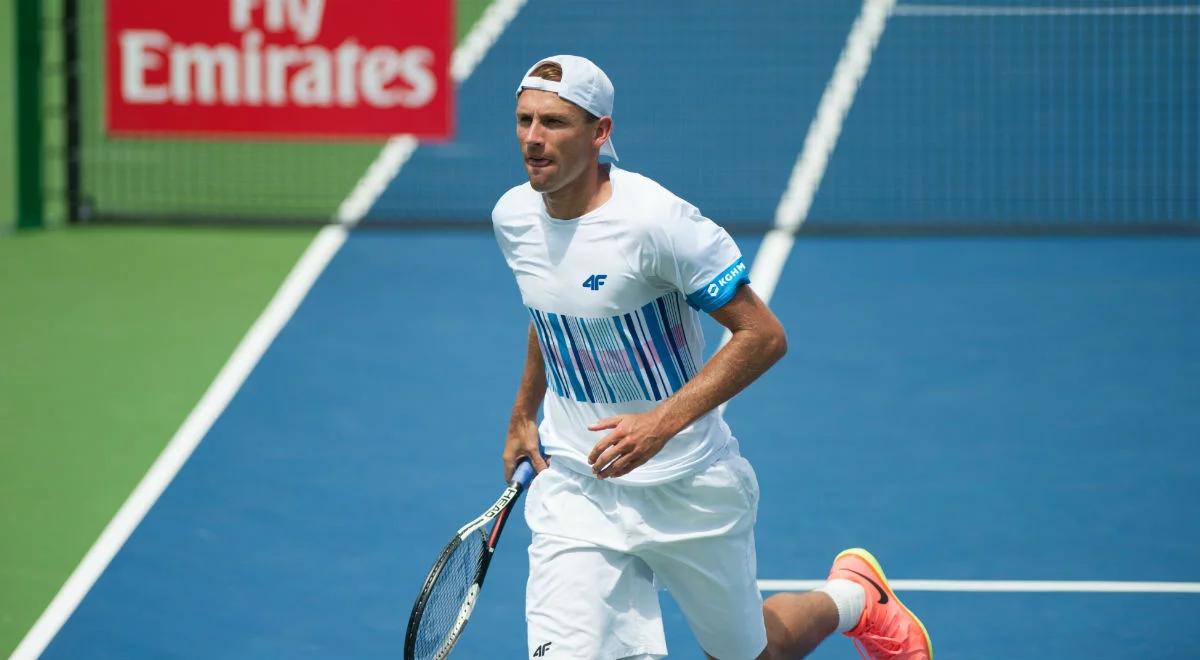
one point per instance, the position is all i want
(522, 439)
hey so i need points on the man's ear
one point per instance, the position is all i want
(603, 129)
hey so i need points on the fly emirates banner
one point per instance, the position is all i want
(280, 68)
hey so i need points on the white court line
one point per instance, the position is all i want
(1007, 10)
(249, 351)
(1008, 586)
(819, 143)
(400, 148)
(835, 102)
(184, 442)
(768, 264)
(793, 211)
(797, 200)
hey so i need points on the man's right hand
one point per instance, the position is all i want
(522, 441)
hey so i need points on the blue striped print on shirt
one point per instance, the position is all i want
(640, 356)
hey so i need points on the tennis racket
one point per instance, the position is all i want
(448, 595)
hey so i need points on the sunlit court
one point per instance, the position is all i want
(260, 339)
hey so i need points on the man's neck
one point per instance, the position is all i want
(584, 195)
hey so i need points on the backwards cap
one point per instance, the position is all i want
(583, 83)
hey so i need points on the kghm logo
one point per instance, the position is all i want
(594, 282)
(729, 276)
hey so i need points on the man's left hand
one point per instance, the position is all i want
(634, 440)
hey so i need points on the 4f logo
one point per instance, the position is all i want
(594, 282)
(541, 651)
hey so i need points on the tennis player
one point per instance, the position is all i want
(645, 485)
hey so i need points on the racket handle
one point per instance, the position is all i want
(523, 474)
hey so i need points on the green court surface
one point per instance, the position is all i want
(108, 338)
(110, 335)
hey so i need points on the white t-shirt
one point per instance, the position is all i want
(613, 296)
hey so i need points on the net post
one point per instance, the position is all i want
(30, 177)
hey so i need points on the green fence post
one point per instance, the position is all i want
(30, 187)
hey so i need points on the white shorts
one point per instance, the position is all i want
(599, 548)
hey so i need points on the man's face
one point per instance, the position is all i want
(557, 140)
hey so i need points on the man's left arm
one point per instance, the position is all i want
(758, 341)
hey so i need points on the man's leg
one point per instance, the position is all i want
(857, 601)
(584, 600)
(797, 623)
(706, 558)
(701, 547)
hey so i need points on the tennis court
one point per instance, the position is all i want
(992, 298)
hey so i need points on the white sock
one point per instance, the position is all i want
(849, 598)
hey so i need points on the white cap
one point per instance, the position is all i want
(583, 83)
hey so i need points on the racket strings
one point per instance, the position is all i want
(448, 593)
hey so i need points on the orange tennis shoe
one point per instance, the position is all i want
(887, 628)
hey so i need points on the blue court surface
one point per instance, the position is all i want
(966, 408)
(1002, 408)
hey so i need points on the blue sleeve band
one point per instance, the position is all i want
(720, 290)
